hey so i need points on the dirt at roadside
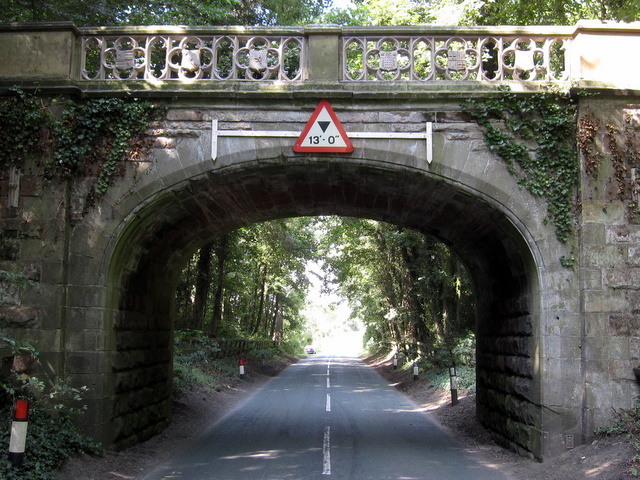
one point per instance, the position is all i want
(193, 414)
(606, 459)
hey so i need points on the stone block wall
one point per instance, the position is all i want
(32, 244)
(609, 246)
(103, 302)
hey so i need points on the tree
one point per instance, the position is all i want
(383, 13)
(483, 12)
(155, 12)
(94, 12)
(222, 254)
(405, 286)
(553, 12)
(202, 287)
(252, 281)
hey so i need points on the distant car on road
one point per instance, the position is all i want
(309, 349)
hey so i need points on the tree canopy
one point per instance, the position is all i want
(248, 283)
(403, 286)
(298, 12)
(155, 12)
(483, 12)
(553, 12)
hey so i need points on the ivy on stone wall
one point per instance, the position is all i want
(25, 124)
(535, 135)
(93, 139)
(622, 144)
(90, 139)
(587, 131)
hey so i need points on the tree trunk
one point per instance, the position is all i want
(263, 291)
(276, 313)
(222, 251)
(183, 299)
(203, 282)
(417, 312)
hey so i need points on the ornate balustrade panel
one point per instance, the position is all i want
(364, 58)
(193, 57)
(423, 58)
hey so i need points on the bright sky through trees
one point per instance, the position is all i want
(342, 3)
(327, 315)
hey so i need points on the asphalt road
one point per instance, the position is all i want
(325, 418)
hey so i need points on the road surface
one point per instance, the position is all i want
(325, 418)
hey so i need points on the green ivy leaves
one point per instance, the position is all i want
(97, 135)
(23, 122)
(89, 139)
(535, 136)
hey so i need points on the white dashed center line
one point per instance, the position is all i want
(326, 452)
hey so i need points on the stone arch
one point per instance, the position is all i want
(163, 231)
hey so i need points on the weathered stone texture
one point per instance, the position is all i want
(19, 317)
(542, 328)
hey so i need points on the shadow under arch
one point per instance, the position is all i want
(166, 230)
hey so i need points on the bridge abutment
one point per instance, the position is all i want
(556, 345)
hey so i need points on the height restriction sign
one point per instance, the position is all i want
(323, 133)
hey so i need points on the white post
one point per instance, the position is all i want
(454, 385)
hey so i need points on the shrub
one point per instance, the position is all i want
(440, 378)
(51, 439)
(627, 423)
(189, 370)
(52, 436)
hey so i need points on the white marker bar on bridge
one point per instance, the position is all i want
(427, 135)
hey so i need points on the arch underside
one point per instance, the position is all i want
(167, 230)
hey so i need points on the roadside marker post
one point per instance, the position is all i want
(395, 361)
(18, 438)
(415, 371)
(241, 366)
(454, 385)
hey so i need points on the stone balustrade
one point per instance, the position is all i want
(591, 52)
(364, 57)
(193, 57)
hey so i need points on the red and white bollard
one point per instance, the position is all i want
(18, 432)
(241, 365)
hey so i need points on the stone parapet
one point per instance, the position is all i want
(325, 60)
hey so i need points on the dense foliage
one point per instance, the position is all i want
(250, 283)
(405, 286)
(154, 12)
(402, 286)
(95, 137)
(483, 12)
(90, 139)
(553, 12)
(298, 12)
(51, 440)
(25, 122)
(52, 436)
(546, 121)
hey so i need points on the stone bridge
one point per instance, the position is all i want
(557, 345)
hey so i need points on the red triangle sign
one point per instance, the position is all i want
(323, 133)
